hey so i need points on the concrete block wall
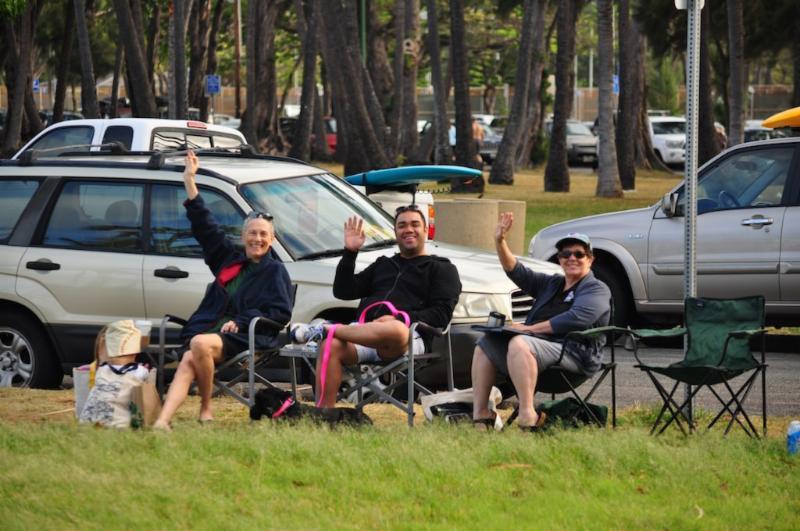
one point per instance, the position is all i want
(472, 222)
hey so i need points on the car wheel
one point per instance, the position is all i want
(623, 301)
(26, 357)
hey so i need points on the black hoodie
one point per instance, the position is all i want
(426, 287)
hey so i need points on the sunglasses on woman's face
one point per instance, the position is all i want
(259, 215)
(564, 255)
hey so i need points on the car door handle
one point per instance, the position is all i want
(43, 265)
(757, 221)
(170, 272)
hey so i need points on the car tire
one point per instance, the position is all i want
(26, 356)
(624, 312)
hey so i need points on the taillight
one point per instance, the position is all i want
(431, 222)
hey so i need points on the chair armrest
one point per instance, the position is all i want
(169, 318)
(263, 322)
(594, 332)
(649, 333)
(425, 327)
(740, 334)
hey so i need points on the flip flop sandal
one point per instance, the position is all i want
(536, 428)
(486, 424)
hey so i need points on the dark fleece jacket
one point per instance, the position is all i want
(266, 292)
(426, 287)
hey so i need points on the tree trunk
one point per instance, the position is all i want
(503, 164)
(212, 63)
(608, 184)
(140, 91)
(62, 68)
(532, 125)
(736, 57)
(301, 146)
(378, 58)
(706, 132)
(465, 146)
(179, 64)
(21, 64)
(355, 127)
(441, 124)
(113, 111)
(151, 51)
(556, 175)
(412, 53)
(396, 119)
(627, 115)
(88, 90)
(199, 31)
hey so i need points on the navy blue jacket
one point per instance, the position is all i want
(590, 309)
(265, 292)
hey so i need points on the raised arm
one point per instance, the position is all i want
(189, 171)
(507, 258)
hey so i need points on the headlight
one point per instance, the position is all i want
(674, 144)
(476, 306)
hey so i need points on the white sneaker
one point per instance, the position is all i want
(306, 333)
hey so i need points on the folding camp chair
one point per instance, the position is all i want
(229, 373)
(718, 349)
(401, 371)
(556, 380)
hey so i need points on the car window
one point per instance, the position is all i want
(745, 179)
(198, 141)
(119, 133)
(578, 129)
(167, 140)
(170, 229)
(14, 197)
(310, 213)
(669, 128)
(97, 216)
(225, 141)
(65, 139)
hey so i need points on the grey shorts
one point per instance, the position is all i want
(370, 355)
(546, 353)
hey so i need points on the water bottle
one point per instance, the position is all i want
(793, 437)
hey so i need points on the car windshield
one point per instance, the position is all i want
(578, 129)
(310, 212)
(669, 128)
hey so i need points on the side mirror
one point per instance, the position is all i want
(669, 204)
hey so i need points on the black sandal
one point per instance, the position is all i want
(484, 424)
(538, 427)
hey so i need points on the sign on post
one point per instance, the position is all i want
(615, 80)
(36, 85)
(213, 85)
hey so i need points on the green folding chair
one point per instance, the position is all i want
(719, 333)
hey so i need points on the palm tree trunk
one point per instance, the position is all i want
(736, 57)
(627, 116)
(88, 90)
(63, 61)
(706, 132)
(608, 184)
(301, 147)
(179, 57)
(556, 174)
(465, 147)
(409, 134)
(141, 92)
(532, 128)
(396, 119)
(503, 164)
(199, 31)
(440, 122)
(16, 95)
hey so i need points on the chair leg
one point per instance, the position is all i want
(668, 406)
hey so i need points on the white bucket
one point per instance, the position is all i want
(80, 384)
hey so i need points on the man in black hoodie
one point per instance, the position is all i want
(424, 286)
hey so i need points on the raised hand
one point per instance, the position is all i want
(354, 236)
(189, 171)
(504, 223)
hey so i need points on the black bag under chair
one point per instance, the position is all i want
(718, 333)
(569, 412)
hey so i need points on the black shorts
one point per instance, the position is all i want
(231, 345)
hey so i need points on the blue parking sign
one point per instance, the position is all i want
(213, 84)
(35, 85)
(616, 84)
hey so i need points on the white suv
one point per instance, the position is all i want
(133, 134)
(88, 239)
(668, 135)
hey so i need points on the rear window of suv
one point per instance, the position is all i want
(14, 197)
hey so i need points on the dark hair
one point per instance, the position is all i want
(409, 208)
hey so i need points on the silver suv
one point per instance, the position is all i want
(748, 238)
(88, 239)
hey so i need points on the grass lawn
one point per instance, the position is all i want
(275, 476)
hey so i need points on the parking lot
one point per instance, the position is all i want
(634, 387)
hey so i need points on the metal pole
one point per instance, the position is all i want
(690, 167)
